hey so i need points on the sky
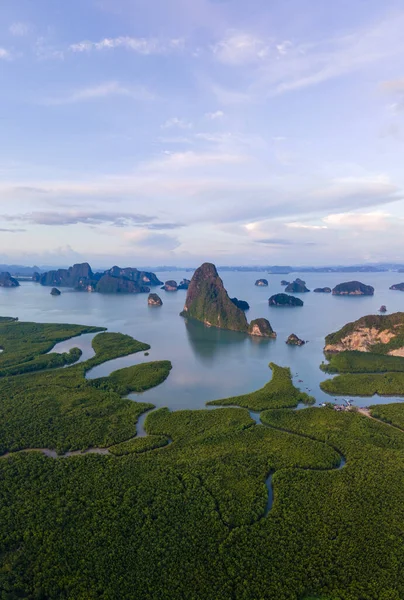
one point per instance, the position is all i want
(171, 132)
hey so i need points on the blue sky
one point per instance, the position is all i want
(177, 131)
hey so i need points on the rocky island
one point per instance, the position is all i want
(170, 286)
(297, 287)
(324, 290)
(7, 281)
(184, 284)
(55, 292)
(262, 282)
(293, 340)
(398, 286)
(208, 301)
(113, 281)
(284, 282)
(353, 288)
(284, 300)
(383, 334)
(154, 300)
(261, 328)
(242, 304)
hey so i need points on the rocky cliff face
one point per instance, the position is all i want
(398, 286)
(241, 304)
(293, 340)
(119, 285)
(7, 281)
(184, 284)
(353, 288)
(262, 282)
(154, 300)
(170, 286)
(284, 300)
(208, 301)
(382, 334)
(296, 287)
(261, 328)
(115, 280)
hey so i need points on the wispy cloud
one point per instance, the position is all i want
(176, 122)
(5, 54)
(103, 90)
(6, 230)
(92, 218)
(297, 225)
(19, 29)
(213, 116)
(84, 217)
(239, 48)
(145, 46)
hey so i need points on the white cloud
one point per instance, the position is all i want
(188, 160)
(19, 29)
(239, 48)
(371, 221)
(145, 46)
(297, 225)
(5, 54)
(176, 122)
(110, 88)
(213, 116)
(294, 66)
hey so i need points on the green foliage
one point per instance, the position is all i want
(23, 342)
(44, 361)
(139, 445)
(389, 413)
(364, 384)
(393, 322)
(7, 319)
(137, 378)
(189, 520)
(60, 409)
(277, 393)
(362, 362)
(108, 346)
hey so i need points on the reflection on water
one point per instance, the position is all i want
(209, 363)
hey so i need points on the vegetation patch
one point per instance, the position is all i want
(363, 384)
(389, 413)
(277, 393)
(139, 445)
(137, 378)
(362, 362)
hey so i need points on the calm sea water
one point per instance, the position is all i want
(208, 363)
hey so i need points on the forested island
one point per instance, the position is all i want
(208, 505)
(113, 281)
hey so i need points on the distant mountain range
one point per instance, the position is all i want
(24, 271)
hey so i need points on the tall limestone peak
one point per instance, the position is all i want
(208, 301)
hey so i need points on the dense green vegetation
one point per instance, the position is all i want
(188, 519)
(362, 362)
(393, 322)
(108, 346)
(60, 409)
(23, 342)
(43, 361)
(365, 384)
(137, 378)
(139, 445)
(277, 393)
(390, 413)
(372, 372)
